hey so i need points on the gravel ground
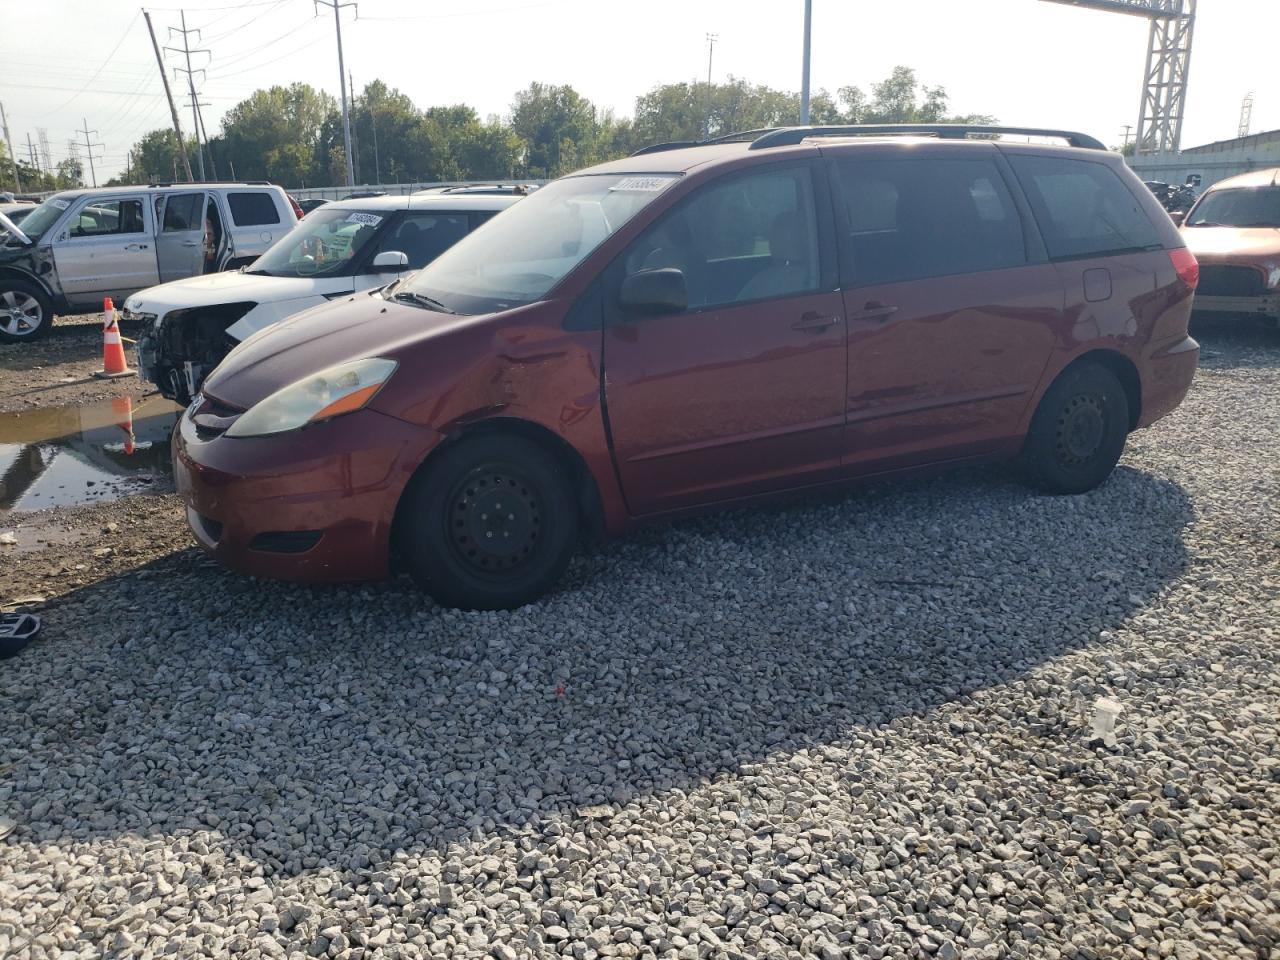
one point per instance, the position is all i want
(853, 727)
(58, 368)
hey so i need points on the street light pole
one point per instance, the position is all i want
(804, 79)
(342, 82)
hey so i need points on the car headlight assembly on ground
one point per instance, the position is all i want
(330, 393)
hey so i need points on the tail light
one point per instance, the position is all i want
(1186, 265)
(297, 210)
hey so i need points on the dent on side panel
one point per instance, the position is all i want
(534, 372)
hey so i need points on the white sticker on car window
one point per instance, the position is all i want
(641, 184)
(372, 219)
(61, 204)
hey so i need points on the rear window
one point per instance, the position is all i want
(1083, 208)
(253, 209)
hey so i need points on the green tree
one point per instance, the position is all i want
(156, 157)
(276, 134)
(897, 99)
(558, 127)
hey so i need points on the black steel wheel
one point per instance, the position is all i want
(1078, 432)
(488, 524)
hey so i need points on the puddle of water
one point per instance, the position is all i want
(88, 453)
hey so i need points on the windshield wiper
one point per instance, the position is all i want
(422, 300)
(254, 273)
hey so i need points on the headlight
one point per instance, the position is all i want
(321, 396)
(1273, 278)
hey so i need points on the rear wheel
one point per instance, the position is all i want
(25, 312)
(490, 524)
(1078, 432)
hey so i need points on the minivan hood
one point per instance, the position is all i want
(1235, 244)
(359, 326)
(216, 288)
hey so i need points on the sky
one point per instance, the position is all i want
(1027, 62)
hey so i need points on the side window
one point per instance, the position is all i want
(1083, 208)
(911, 219)
(253, 209)
(745, 238)
(482, 216)
(424, 236)
(104, 217)
(182, 212)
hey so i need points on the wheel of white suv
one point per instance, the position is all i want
(25, 312)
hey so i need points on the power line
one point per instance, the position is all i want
(104, 63)
(88, 146)
(191, 83)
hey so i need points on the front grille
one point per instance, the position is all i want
(1227, 281)
(286, 541)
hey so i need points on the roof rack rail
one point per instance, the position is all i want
(787, 136)
(201, 183)
(740, 136)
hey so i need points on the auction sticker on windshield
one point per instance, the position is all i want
(61, 204)
(371, 219)
(641, 184)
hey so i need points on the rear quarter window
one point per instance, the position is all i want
(1084, 209)
(253, 209)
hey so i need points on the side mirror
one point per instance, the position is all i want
(1177, 216)
(390, 261)
(651, 292)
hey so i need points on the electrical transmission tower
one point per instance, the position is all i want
(1246, 114)
(186, 50)
(46, 158)
(89, 146)
(1164, 91)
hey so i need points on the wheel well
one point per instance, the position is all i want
(1124, 371)
(21, 276)
(586, 493)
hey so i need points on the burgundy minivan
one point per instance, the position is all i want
(697, 325)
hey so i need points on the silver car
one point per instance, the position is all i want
(80, 246)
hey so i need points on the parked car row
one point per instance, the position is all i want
(685, 328)
(80, 246)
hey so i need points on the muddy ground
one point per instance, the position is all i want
(58, 369)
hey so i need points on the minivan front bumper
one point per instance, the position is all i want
(314, 505)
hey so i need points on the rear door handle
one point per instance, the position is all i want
(814, 322)
(136, 246)
(191, 243)
(874, 310)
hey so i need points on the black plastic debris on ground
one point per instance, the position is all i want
(16, 631)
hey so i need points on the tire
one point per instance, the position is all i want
(25, 312)
(453, 513)
(1078, 432)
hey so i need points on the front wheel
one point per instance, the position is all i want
(489, 524)
(1078, 432)
(25, 312)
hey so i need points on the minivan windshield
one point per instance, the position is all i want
(42, 217)
(1237, 207)
(519, 256)
(324, 243)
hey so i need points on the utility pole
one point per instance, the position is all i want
(1125, 143)
(213, 164)
(804, 70)
(711, 49)
(13, 160)
(173, 111)
(33, 158)
(355, 130)
(88, 146)
(191, 83)
(337, 6)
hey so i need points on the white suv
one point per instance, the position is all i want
(188, 326)
(82, 245)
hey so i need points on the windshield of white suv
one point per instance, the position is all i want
(518, 257)
(323, 244)
(42, 217)
(1237, 207)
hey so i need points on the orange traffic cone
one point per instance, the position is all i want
(122, 408)
(113, 361)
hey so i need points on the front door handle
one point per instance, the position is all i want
(191, 243)
(874, 310)
(135, 246)
(814, 322)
